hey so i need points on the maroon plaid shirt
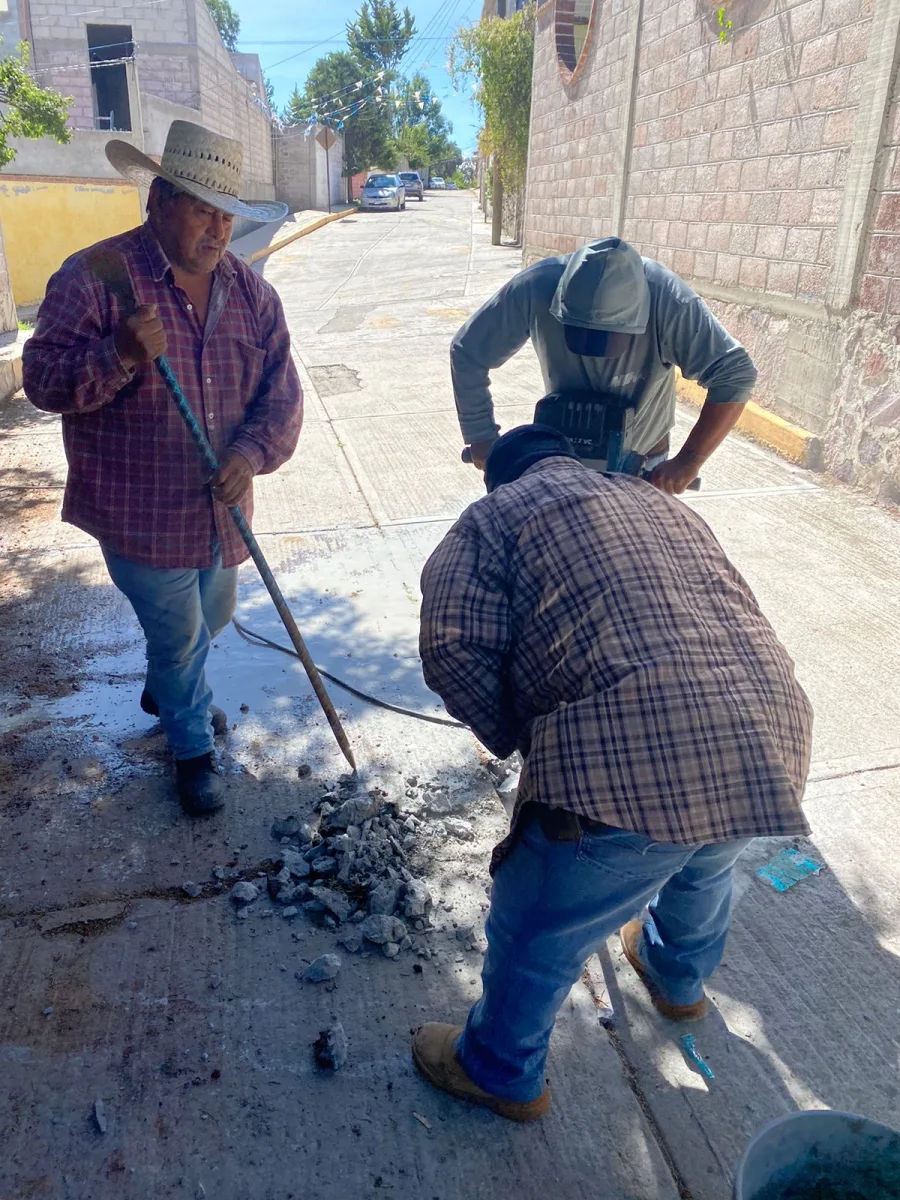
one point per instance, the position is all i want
(136, 480)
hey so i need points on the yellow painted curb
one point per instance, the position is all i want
(792, 442)
(326, 220)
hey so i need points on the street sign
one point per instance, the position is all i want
(325, 138)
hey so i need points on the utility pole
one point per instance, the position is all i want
(496, 204)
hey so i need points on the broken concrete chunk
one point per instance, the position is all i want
(385, 897)
(276, 883)
(330, 1047)
(351, 940)
(193, 890)
(99, 1114)
(417, 899)
(295, 863)
(323, 968)
(333, 902)
(308, 832)
(390, 949)
(244, 893)
(354, 811)
(459, 828)
(381, 928)
(324, 865)
(290, 911)
(465, 933)
(285, 827)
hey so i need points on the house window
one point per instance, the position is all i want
(573, 24)
(107, 46)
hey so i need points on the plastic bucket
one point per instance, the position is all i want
(821, 1156)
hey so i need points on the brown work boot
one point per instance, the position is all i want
(434, 1054)
(631, 935)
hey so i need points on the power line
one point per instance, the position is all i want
(290, 57)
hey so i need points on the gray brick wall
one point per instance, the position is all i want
(727, 160)
(179, 57)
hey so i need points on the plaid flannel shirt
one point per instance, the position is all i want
(136, 481)
(595, 624)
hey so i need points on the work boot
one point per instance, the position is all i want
(217, 718)
(434, 1053)
(200, 787)
(632, 935)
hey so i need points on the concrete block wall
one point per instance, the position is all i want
(304, 174)
(763, 167)
(179, 59)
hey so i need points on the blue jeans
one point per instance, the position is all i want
(180, 612)
(553, 903)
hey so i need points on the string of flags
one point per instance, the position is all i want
(380, 96)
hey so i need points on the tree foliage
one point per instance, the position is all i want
(420, 127)
(227, 22)
(496, 55)
(28, 110)
(400, 119)
(380, 35)
(331, 86)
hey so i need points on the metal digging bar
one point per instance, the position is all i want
(111, 270)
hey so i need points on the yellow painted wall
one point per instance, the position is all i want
(46, 220)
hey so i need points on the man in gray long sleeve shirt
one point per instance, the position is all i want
(605, 321)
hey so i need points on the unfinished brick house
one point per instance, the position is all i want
(751, 146)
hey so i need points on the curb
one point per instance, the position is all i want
(792, 442)
(11, 366)
(250, 259)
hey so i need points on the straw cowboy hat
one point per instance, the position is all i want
(199, 162)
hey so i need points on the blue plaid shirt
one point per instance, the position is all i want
(595, 624)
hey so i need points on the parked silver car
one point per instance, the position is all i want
(383, 191)
(437, 183)
(412, 184)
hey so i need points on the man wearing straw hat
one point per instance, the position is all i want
(136, 481)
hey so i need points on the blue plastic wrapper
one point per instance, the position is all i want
(689, 1045)
(788, 867)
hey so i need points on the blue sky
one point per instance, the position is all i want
(284, 29)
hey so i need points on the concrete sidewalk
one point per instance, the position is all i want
(189, 1024)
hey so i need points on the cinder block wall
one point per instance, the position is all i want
(179, 58)
(760, 163)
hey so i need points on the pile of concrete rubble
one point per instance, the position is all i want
(347, 868)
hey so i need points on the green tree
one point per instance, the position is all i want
(419, 124)
(227, 22)
(28, 111)
(329, 93)
(496, 56)
(380, 35)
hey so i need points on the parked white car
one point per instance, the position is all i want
(437, 183)
(383, 191)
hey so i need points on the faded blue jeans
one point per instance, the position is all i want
(552, 905)
(180, 612)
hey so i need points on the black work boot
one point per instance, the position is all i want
(200, 787)
(217, 718)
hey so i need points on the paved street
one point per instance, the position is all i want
(189, 1025)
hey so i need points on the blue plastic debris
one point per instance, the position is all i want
(787, 868)
(689, 1045)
